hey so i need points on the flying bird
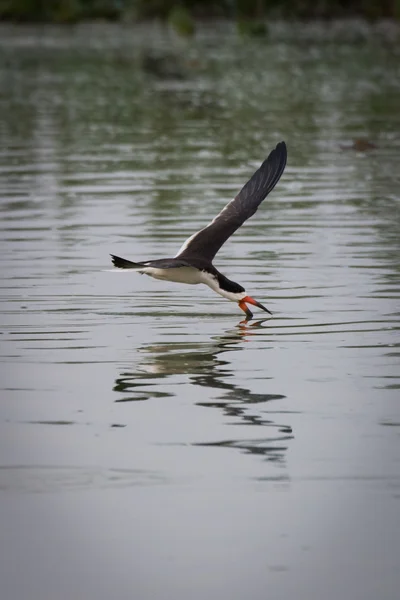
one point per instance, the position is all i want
(193, 262)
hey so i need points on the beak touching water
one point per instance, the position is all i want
(250, 300)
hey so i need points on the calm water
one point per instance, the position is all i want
(151, 446)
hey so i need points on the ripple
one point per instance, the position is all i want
(61, 478)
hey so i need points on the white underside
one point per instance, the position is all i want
(192, 276)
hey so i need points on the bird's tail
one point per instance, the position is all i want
(122, 263)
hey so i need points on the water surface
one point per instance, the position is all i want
(153, 446)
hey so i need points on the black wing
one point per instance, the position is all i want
(206, 242)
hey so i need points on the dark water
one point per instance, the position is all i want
(151, 446)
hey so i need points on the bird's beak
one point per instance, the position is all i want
(251, 300)
(245, 308)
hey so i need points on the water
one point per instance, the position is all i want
(152, 446)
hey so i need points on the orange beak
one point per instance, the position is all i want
(250, 300)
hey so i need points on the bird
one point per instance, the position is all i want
(193, 263)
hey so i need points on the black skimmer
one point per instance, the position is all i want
(193, 263)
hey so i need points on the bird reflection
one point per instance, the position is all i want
(206, 367)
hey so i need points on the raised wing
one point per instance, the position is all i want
(206, 242)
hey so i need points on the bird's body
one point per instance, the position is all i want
(193, 262)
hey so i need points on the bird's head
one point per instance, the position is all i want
(234, 292)
(249, 300)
